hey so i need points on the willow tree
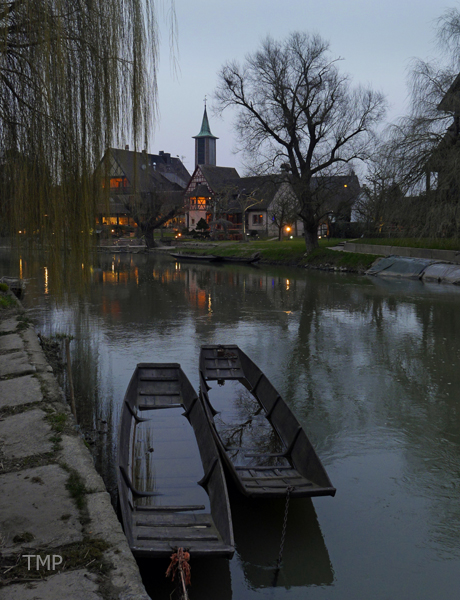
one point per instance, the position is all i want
(423, 147)
(75, 77)
(296, 111)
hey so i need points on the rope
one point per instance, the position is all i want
(179, 562)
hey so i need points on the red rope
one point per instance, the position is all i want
(179, 561)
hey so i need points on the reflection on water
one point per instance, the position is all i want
(241, 422)
(257, 528)
(370, 368)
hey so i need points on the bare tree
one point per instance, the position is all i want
(283, 210)
(151, 210)
(295, 108)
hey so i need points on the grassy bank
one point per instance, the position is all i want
(291, 252)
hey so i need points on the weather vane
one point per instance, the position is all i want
(205, 100)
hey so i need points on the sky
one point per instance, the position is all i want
(377, 41)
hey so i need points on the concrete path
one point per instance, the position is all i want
(452, 256)
(59, 535)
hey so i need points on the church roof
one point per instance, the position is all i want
(205, 129)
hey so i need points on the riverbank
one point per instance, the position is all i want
(332, 255)
(59, 535)
(287, 252)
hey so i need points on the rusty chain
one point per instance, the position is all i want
(283, 532)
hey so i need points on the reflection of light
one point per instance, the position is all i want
(46, 281)
(113, 266)
(209, 304)
(287, 284)
(20, 268)
(82, 266)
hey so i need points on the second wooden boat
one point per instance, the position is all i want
(263, 445)
(171, 486)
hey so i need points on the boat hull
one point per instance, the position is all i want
(162, 505)
(294, 465)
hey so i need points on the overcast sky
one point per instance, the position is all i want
(377, 41)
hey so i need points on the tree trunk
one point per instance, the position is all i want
(310, 236)
(149, 237)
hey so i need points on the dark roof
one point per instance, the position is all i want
(151, 170)
(205, 130)
(451, 101)
(218, 177)
(260, 187)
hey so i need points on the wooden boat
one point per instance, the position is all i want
(263, 445)
(165, 500)
(196, 257)
(243, 260)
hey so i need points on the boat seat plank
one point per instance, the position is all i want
(189, 526)
(256, 483)
(176, 533)
(157, 393)
(265, 468)
(294, 480)
(173, 520)
(265, 455)
(171, 508)
(158, 378)
(269, 478)
(158, 406)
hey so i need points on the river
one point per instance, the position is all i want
(369, 366)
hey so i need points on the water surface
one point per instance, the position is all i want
(370, 368)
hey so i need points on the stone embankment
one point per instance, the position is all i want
(59, 535)
(430, 265)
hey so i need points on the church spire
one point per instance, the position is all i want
(205, 143)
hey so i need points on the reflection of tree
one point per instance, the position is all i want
(384, 355)
(241, 423)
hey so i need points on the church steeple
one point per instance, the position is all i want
(205, 143)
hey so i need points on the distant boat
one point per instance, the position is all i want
(246, 260)
(263, 445)
(162, 452)
(196, 257)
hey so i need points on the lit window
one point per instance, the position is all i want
(118, 182)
